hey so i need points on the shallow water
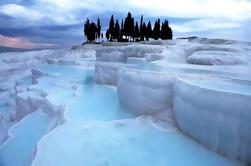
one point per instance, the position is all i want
(95, 102)
(128, 143)
(17, 150)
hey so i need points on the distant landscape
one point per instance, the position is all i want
(12, 49)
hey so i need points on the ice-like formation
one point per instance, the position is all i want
(25, 58)
(113, 56)
(27, 102)
(107, 73)
(122, 53)
(151, 88)
(154, 57)
(215, 113)
(111, 59)
(7, 116)
(141, 50)
(74, 57)
(216, 58)
(48, 88)
(134, 60)
(194, 91)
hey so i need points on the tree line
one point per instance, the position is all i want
(128, 30)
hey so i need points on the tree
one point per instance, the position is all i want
(129, 25)
(141, 29)
(121, 30)
(166, 31)
(116, 30)
(156, 30)
(111, 27)
(98, 29)
(92, 32)
(170, 32)
(132, 27)
(86, 27)
(107, 34)
(149, 32)
(131, 30)
(136, 31)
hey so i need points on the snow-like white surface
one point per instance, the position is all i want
(108, 73)
(216, 58)
(134, 60)
(27, 102)
(215, 113)
(153, 86)
(152, 89)
(141, 50)
(113, 56)
(195, 93)
(122, 53)
(7, 116)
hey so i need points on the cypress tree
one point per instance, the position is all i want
(116, 30)
(86, 28)
(92, 32)
(170, 31)
(166, 31)
(121, 30)
(132, 27)
(107, 34)
(141, 29)
(126, 25)
(136, 31)
(149, 31)
(129, 25)
(98, 29)
(156, 30)
(111, 27)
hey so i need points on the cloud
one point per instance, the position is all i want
(15, 10)
(201, 25)
(210, 28)
(70, 11)
(230, 9)
(20, 42)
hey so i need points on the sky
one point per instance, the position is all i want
(59, 23)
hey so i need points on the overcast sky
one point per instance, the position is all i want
(58, 23)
